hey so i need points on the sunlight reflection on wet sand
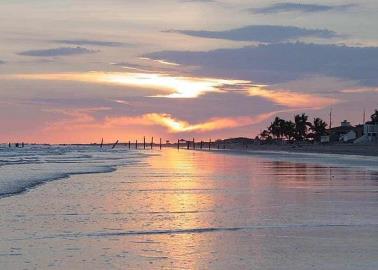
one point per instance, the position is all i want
(196, 210)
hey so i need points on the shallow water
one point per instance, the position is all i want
(24, 168)
(196, 210)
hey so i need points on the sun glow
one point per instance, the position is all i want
(176, 126)
(174, 86)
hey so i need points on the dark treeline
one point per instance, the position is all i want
(301, 129)
(298, 130)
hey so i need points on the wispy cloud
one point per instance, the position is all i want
(62, 51)
(179, 126)
(292, 99)
(260, 33)
(84, 119)
(171, 86)
(91, 42)
(360, 90)
(160, 61)
(198, 1)
(308, 8)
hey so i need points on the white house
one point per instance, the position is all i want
(349, 136)
(371, 131)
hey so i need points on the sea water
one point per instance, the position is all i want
(27, 167)
(184, 209)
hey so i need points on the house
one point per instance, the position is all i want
(348, 137)
(371, 131)
(345, 123)
(370, 134)
(345, 133)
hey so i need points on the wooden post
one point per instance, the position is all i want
(178, 144)
(115, 144)
(194, 144)
(152, 142)
(210, 144)
(144, 142)
(160, 144)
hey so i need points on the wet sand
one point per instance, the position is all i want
(196, 210)
(342, 149)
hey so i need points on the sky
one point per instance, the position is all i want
(77, 71)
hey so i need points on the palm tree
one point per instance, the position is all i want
(265, 135)
(301, 125)
(289, 130)
(374, 116)
(318, 128)
(276, 127)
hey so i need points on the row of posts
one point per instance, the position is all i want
(18, 145)
(189, 144)
(201, 145)
(151, 144)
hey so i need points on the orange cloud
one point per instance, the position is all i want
(360, 90)
(176, 126)
(292, 99)
(83, 119)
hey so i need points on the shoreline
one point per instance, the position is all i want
(348, 149)
(341, 159)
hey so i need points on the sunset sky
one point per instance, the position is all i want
(76, 71)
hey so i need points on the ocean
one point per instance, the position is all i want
(82, 207)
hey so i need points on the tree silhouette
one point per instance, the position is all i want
(276, 127)
(301, 125)
(265, 134)
(318, 128)
(374, 116)
(289, 130)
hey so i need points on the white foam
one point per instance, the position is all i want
(23, 168)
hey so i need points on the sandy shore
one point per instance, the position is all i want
(342, 149)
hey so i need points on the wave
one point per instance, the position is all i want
(202, 230)
(24, 168)
(224, 229)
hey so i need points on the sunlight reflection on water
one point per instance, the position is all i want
(197, 210)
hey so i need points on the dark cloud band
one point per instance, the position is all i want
(282, 62)
(62, 51)
(91, 42)
(261, 33)
(298, 7)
